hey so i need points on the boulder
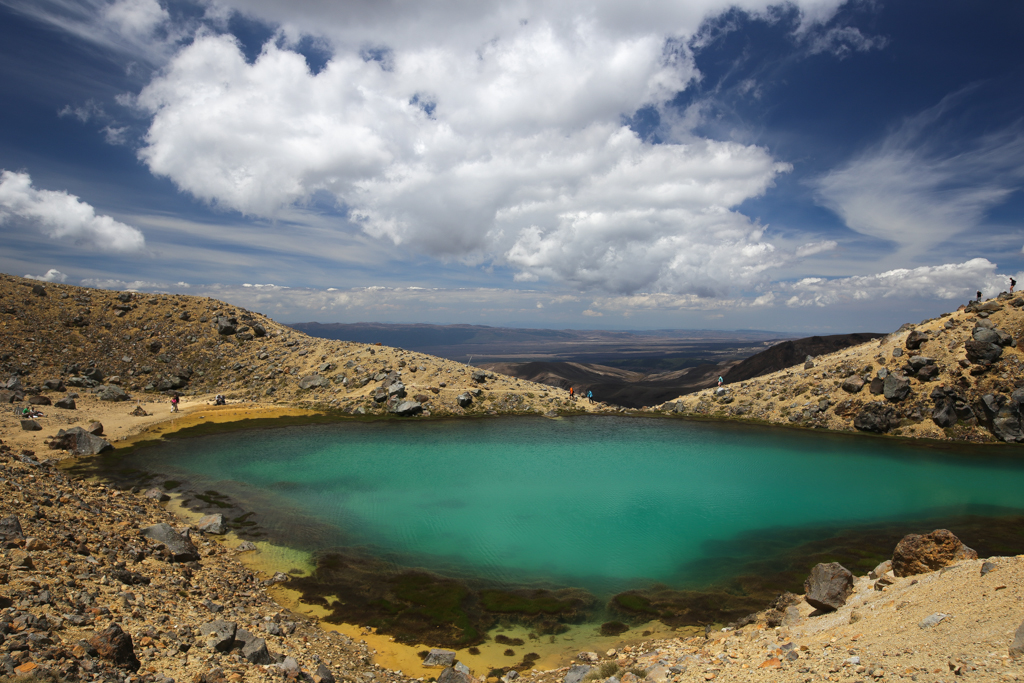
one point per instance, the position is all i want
(10, 530)
(66, 403)
(313, 382)
(1017, 645)
(157, 495)
(944, 414)
(453, 675)
(915, 339)
(212, 524)
(479, 376)
(259, 331)
(324, 674)
(254, 650)
(219, 634)
(38, 400)
(95, 428)
(396, 389)
(7, 396)
(79, 442)
(38, 290)
(917, 553)
(111, 392)
(895, 388)
(881, 570)
(577, 673)
(877, 386)
(982, 353)
(115, 646)
(407, 408)
(180, 545)
(853, 384)
(30, 426)
(828, 586)
(53, 385)
(465, 400)
(439, 658)
(226, 326)
(877, 417)
(380, 395)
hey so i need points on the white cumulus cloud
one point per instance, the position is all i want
(947, 281)
(519, 158)
(63, 216)
(52, 275)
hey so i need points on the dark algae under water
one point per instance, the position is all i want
(435, 531)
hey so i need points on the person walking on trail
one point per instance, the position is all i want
(721, 381)
(1012, 284)
(174, 404)
(979, 296)
(590, 395)
(572, 394)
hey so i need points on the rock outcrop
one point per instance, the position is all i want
(917, 553)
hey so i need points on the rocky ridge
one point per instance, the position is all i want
(957, 377)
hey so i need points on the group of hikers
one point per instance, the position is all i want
(589, 395)
(29, 412)
(1013, 283)
(219, 400)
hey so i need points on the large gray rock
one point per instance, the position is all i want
(396, 389)
(212, 524)
(10, 530)
(479, 376)
(982, 353)
(39, 400)
(877, 417)
(226, 326)
(828, 586)
(111, 392)
(219, 634)
(915, 339)
(65, 403)
(895, 388)
(255, 651)
(180, 545)
(30, 426)
(439, 658)
(80, 442)
(1017, 646)
(313, 382)
(577, 673)
(465, 400)
(325, 674)
(944, 414)
(853, 384)
(407, 408)
(453, 675)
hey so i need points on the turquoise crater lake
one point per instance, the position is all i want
(605, 504)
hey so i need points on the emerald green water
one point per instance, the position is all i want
(600, 503)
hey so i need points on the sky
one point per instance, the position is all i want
(814, 166)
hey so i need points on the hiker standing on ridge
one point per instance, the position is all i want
(720, 381)
(1012, 283)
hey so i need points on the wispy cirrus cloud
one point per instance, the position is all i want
(917, 188)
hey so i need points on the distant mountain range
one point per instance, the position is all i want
(627, 368)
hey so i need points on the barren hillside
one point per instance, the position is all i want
(955, 377)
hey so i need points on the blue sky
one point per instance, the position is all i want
(818, 166)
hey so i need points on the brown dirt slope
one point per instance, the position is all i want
(953, 377)
(789, 353)
(615, 385)
(56, 339)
